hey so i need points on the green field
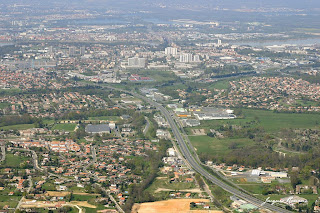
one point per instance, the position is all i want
(157, 75)
(12, 201)
(311, 198)
(105, 118)
(206, 144)
(14, 161)
(65, 127)
(83, 197)
(270, 121)
(175, 186)
(4, 105)
(222, 84)
(253, 188)
(18, 127)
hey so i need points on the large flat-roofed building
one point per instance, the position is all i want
(209, 113)
(136, 62)
(99, 128)
(171, 51)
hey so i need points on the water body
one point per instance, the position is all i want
(299, 42)
(100, 21)
(158, 21)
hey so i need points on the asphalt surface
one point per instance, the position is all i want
(3, 153)
(193, 162)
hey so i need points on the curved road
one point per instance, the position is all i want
(193, 162)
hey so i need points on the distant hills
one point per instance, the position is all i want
(231, 4)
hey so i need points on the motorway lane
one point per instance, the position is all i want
(3, 153)
(194, 164)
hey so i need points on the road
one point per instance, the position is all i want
(94, 160)
(194, 163)
(145, 130)
(3, 153)
(34, 157)
(111, 198)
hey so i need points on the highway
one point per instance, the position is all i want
(194, 164)
(3, 153)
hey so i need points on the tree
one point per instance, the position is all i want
(193, 205)
(294, 179)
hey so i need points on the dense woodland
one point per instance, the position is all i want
(147, 167)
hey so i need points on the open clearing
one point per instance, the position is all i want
(56, 194)
(195, 190)
(65, 127)
(270, 121)
(172, 206)
(83, 204)
(198, 132)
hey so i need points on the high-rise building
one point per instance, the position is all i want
(82, 50)
(196, 58)
(72, 51)
(219, 42)
(186, 57)
(50, 50)
(171, 51)
(137, 62)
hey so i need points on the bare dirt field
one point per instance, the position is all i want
(83, 193)
(170, 206)
(56, 194)
(198, 132)
(195, 190)
(83, 204)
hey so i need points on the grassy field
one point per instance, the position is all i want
(159, 76)
(12, 201)
(270, 121)
(49, 186)
(222, 84)
(18, 127)
(4, 105)
(206, 144)
(164, 183)
(105, 118)
(83, 197)
(14, 161)
(65, 127)
(253, 188)
(311, 198)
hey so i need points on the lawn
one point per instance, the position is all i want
(83, 197)
(12, 201)
(65, 127)
(4, 105)
(310, 197)
(164, 183)
(222, 84)
(253, 188)
(105, 118)
(49, 186)
(270, 121)
(159, 76)
(14, 161)
(206, 144)
(18, 127)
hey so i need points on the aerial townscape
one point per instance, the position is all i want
(156, 106)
